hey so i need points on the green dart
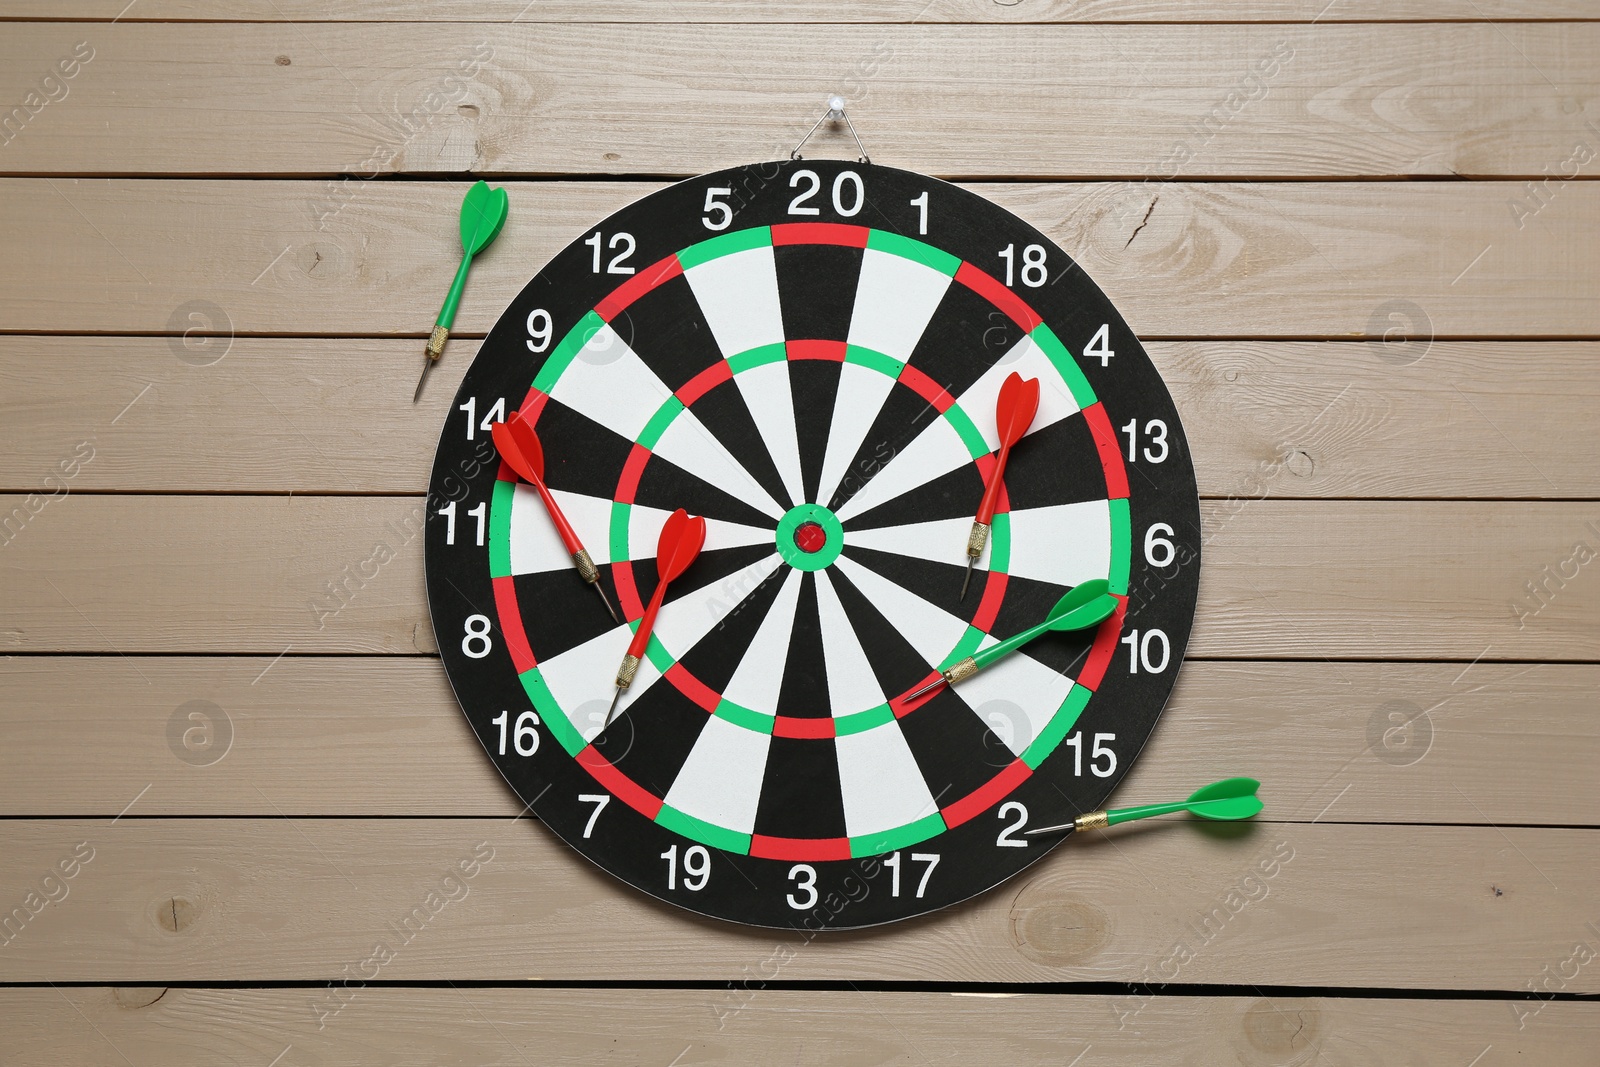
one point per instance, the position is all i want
(1087, 605)
(1224, 801)
(483, 215)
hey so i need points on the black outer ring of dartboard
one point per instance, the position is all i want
(851, 893)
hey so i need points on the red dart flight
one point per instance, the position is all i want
(1014, 410)
(682, 537)
(519, 446)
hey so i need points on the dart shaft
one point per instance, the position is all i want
(641, 636)
(991, 491)
(1143, 811)
(452, 299)
(569, 536)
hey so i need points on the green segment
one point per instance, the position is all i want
(911, 248)
(620, 517)
(1000, 542)
(550, 713)
(977, 447)
(659, 422)
(740, 715)
(704, 832)
(725, 245)
(1065, 718)
(755, 357)
(1065, 365)
(567, 351)
(500, 529)
(967, 646)
(874, 360)
(862, 721)
(899, 837)
(1121, 546)
(796, 517)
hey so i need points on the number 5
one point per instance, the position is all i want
(715, 205)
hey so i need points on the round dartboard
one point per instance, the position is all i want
(809, 355)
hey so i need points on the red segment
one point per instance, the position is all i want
(692, 687)
(632, 471)
(994, 591)
(810, 537)
(901, 708)
(819, 233)
(926, 387)
(987, 795)
(1105, 440)
(799, 848)
(637, 286)
(532, 406)
(619, 784)
(704, 382)
(989, 287)
(789, 726)
(1105, 643)
(505, 603)
(833, 351)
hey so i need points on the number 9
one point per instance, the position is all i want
(539, 335)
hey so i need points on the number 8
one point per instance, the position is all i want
(477, 633)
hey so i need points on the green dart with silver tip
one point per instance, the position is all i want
(483, 215)
(1087, 605)
(1224, 801)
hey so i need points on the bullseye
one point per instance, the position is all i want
(810, 537)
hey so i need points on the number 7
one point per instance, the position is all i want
(599, 800)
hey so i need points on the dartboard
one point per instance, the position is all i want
(808, 355)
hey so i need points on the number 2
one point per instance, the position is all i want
(1005, 840)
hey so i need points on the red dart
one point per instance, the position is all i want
(519, 446)
(682, 537)
(1014, 410)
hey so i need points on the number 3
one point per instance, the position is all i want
(805, 878)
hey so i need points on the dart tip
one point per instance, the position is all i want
(966, 581)
(422, 378)
(1064, 829)
(930, 687)
(612, 710)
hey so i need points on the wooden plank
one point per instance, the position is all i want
(1340, 260)
(1289, 419)
(860, 11)
(1505, 744)
(1334, 579)
(1197, 100)
(204, 900)
(382, 1025)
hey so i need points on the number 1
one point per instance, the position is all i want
(921, 203)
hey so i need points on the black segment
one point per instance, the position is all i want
(724, 412)
(667, 486)
(904, 415)
(945, 737)
(800, 796)
(804, 692)
(651, 738)
(715, 659)
(814, 384)
(895, 664)
(580, 455)
(817, 290)
(571, 613)
(667, 331)
(965, 337)
(1057, 464)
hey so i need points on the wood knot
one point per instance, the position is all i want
(1056, 928)
(283, 61)
(612, 157)
(467, 111)
(1282, 1032)
(1300, 463)
(133, 997)
(177, 914)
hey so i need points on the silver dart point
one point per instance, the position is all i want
(609, 609)
(966, 581)
(612, 710)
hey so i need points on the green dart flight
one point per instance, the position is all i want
(483, 215)
(1087, 605)
(1224, 801)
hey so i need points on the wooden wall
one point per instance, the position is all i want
(1369, 277)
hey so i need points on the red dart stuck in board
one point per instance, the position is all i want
(1014, 410)
(682, 537)
(519, 446)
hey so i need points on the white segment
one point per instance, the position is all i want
(1066, 545)
(720, 782)
(860, 398)
(1016, 698)
(582, 675)
(852, 686)
(934, 452)
(924, 460)
(644, 531)
(767, 394)
(895, 298)
(685, 621)
(759, 676)
(941, 541)
(931, 630)
(690, 445)
(534, 544)
(582, 679)
(738, 294)
(880, 782)
(609, 383)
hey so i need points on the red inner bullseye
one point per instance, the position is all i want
(810, 537)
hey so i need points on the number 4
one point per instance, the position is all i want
(1100, 345)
